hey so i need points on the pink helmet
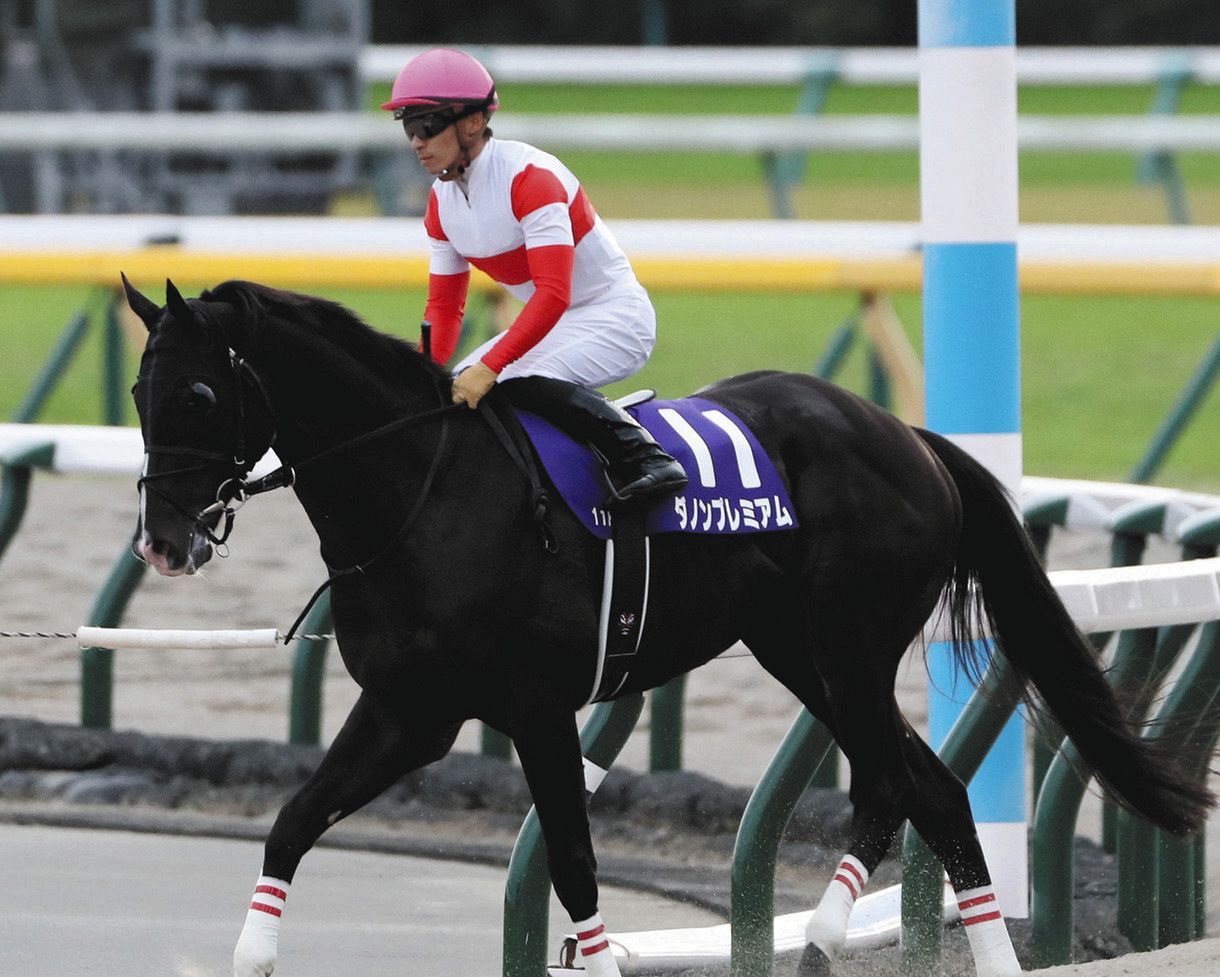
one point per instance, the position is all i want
(442, 77)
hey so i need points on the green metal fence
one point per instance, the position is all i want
(1143, 656)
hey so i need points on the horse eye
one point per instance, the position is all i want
(203, 399)
(204, 393)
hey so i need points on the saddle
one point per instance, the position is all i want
(734, 485)
(734, 489)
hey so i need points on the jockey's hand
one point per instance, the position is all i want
(472, 384)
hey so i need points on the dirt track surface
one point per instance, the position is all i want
(75, 530)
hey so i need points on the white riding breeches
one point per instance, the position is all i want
(592, 344)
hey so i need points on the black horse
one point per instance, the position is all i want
(447, 606)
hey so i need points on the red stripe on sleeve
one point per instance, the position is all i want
(976, 901)
(551, 271)
(984, 918)
(589, 934)
(271, 891)
(590, 950)
(446, 303)
(535, 187)
(432, 219)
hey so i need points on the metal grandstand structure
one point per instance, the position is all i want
(186, 56)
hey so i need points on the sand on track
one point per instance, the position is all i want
(77, 526)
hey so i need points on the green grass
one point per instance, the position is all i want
(1098, 374)
(841, 100)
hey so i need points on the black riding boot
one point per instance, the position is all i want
(637, 468)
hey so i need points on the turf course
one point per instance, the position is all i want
(1098, 373)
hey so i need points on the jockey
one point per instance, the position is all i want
(519, 215)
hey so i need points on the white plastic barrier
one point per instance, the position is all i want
(1152, 595)
(404, 238)
(163, 638)
(79, 448)
(1096, 505)
(791, 65)
(1114, 494)
(120, 451)
(875, 922)
(91, 449)
(294, 133)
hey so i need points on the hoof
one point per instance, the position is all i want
(814, 963)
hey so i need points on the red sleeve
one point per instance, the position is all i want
(551, 271)
(446, 303)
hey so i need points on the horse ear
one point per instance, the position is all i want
(177, 304)
(148, 310)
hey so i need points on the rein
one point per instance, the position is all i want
(285, 475)
(434, 466)
(539, 501)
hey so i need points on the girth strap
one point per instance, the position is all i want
(624, 603)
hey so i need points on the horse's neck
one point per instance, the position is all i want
(325, 396)
(354, 492)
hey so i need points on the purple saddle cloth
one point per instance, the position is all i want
(734, 486)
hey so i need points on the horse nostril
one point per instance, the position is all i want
(160, 547)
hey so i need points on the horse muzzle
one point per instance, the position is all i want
(170, 560)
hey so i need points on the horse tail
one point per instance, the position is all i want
(998, 582)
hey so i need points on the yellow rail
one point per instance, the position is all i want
(302, 270)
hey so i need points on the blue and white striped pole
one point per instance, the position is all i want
(968, 187)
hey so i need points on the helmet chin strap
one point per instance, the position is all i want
(458, 171)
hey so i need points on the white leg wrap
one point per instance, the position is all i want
(593, 948)
(255, 953)
(827, 928)
(989, 941)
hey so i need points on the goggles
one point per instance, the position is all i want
(429, 125)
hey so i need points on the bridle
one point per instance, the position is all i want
(233, 490)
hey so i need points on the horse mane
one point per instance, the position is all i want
(334, 323)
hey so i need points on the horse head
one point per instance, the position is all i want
(205, 422)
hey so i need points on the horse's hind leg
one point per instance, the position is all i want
(848, 682)
(939, 809)
(844, 677)
(919, 787)
(368, 755)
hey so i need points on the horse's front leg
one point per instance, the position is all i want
(545, 735)
(370, 753)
